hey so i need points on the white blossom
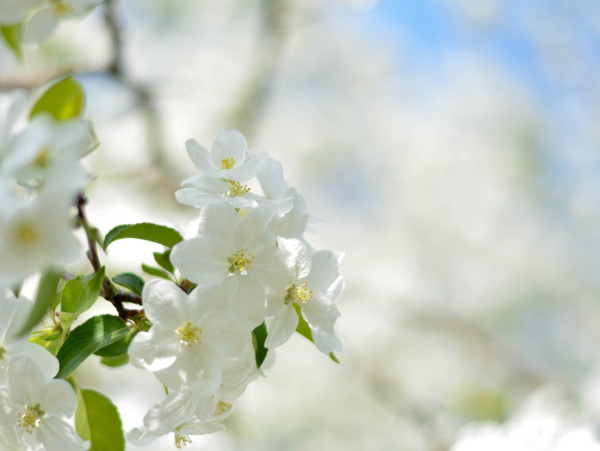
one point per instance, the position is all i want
(44, 145)
(189, 340)
(38, 232)
(36, 408)
(15, 312)
(224, 172)
(315, 286)
(237, 256)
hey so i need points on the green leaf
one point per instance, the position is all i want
(164, 260)
(156, 272)
(86, 339)
(64, 100)
(114, 362)
(80, 293)
(118, 348)
(43, 299)
(97, 420)
(259, 337)
(304, 329)
(130, 281)
(144, 231)
(12, 35)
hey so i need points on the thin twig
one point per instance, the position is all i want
(108, 290)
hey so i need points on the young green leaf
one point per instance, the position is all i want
(86, 339)
(12, 35)
(164, 260)
(131, 281)
(259, 337)
(156, 272)
(97, 420)
(43, 299)
(80, 293)
(64, 100)
(304, 329)
(144, 231)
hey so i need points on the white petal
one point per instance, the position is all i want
(40, 26)
(237, 374)
(26, 381)
(201, 260)
(153, 353)
(247, 301)
(162, 301)
(58, 398)
(218, 222)
(320, 312)
(229, 144)
(271, 179)
(201, 158)
(283, 326)
(224, 334)
(14, 312)
(175, 409)
(324, 271)
(253, 231)
(46, 362)
(74, 139)
(58, 435)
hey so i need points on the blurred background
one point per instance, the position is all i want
(451, 148)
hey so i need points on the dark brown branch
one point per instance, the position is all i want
(108, 291)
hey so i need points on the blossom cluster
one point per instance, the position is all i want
(40, 177)
(248, 266)
(40, 17)
(34, 407)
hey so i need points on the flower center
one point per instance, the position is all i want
(227, 163)
(298, 294)
(222, 407)
(182, 440)
(62, 8)
(2, 352)
(31, 419)
(42, 159)
(27, 233)
(189, 334)
(236, 188)
(240, 261)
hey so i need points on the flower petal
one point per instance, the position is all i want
(229, 144)
(153, 353)
(283, 326)
(57, 434)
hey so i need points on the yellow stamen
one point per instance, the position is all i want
(2, 352)
(227, 163)
(240, 261)
(31, 419)
(62, 8)
(182, 440)
(236, 188)
(223, 407)
(298, 294)
(189, 334)
(43, 158)
(27, 233)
